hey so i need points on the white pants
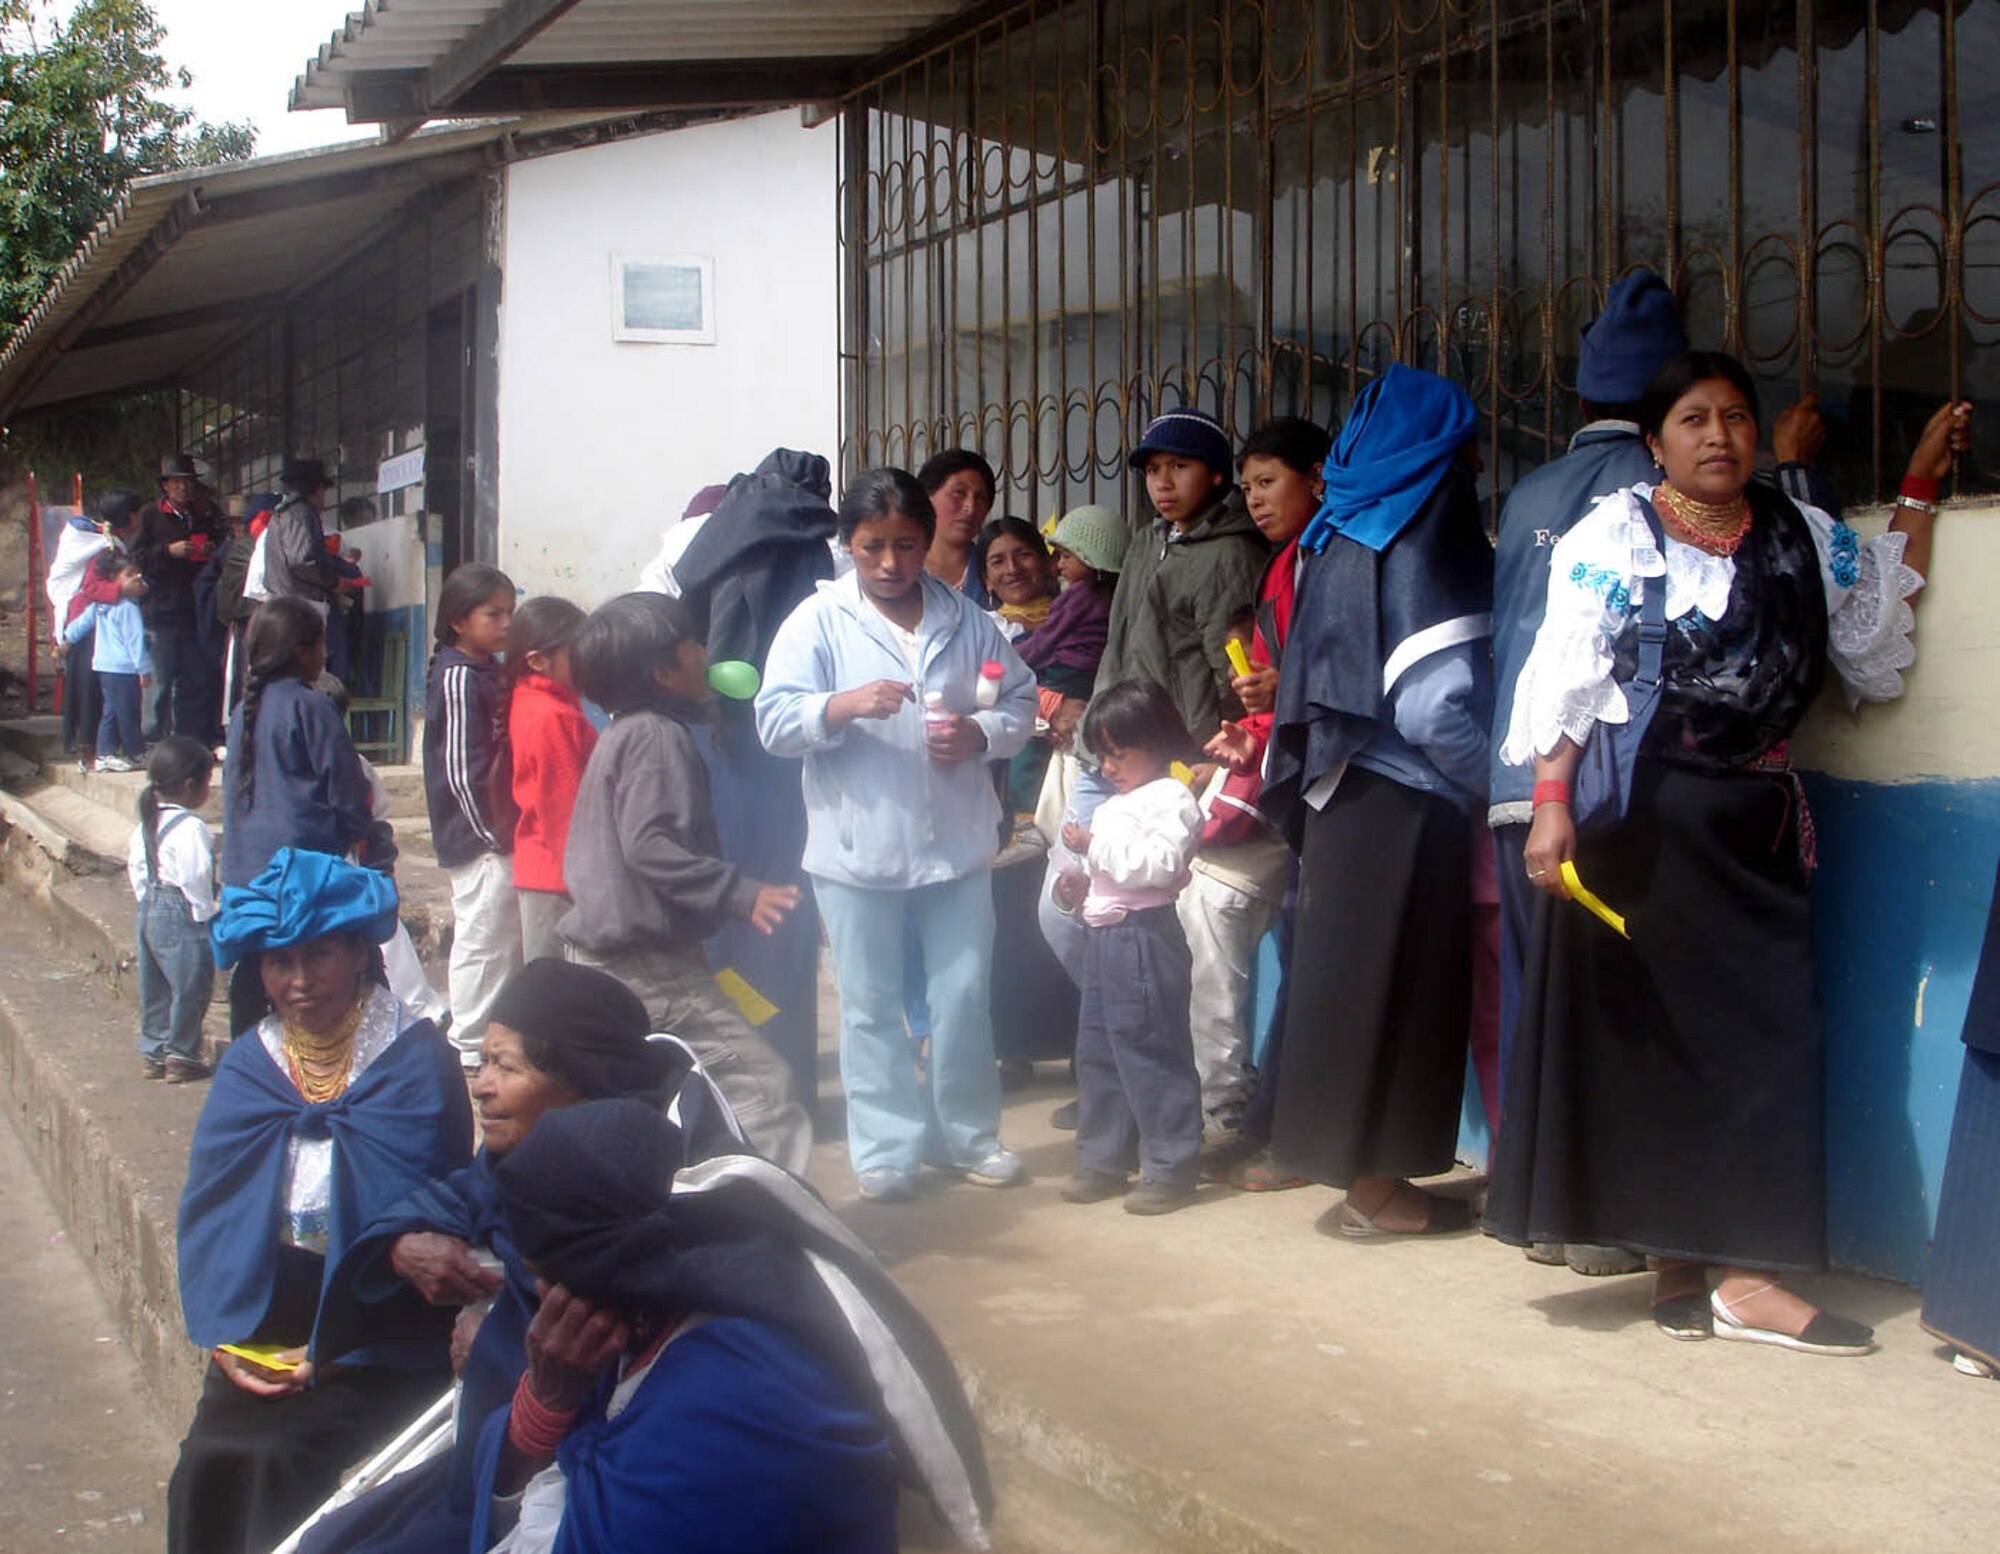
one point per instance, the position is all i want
(1223, 926)
(406, 977)
(485, 944)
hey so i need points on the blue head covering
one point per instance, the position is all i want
(299, 897)
(1401, 436)
(1636, 335)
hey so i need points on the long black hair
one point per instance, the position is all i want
(279, 632)
(464, 591)
(543, 624)
(176, 763)
(876, 493)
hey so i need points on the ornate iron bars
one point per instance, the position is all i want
(1075, 212)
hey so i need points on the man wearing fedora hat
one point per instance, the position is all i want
(178, 533)
(296, 563)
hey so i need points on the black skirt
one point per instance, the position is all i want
(1664, 1093)
(252, 1468)
(1379, 987)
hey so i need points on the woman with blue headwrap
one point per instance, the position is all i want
(1377, 763)
(332, 1106)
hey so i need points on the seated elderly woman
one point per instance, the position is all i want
(715, 1359)
(558, 1034)
(329, 1108)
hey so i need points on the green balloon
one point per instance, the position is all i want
(734, 678)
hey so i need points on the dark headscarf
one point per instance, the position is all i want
(592, 1200)
(587, 1028)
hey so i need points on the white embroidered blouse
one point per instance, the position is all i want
(1598, 574)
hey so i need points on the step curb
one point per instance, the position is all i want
(119, 1219)
(1161, 1503)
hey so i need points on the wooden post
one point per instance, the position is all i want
(37, 577)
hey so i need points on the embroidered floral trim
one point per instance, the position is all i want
(1605, 583)
(1843, 554)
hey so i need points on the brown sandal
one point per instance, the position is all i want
(1444, 1216)
(1261, 1173)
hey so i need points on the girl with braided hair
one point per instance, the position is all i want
(292, 777)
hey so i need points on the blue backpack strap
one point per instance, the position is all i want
(1652, 611)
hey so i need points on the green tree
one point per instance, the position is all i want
(82, 114)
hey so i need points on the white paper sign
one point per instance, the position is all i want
(405, 469)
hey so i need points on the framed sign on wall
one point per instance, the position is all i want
(666, 299)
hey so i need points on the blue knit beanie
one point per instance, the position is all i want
(1190, 433)
(1636, 335)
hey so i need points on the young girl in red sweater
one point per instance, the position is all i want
(551, 740)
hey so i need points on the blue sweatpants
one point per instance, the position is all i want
(1138, 1096)
(118, 731)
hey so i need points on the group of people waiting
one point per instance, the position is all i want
(157, 595)
(1308, 693)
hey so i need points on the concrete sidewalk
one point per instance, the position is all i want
(1233, 1376)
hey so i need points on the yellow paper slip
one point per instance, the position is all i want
(1238, 659)
(1584, 898)
(755, 1007)
(270, 1356)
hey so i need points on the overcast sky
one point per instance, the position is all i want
(245, 54)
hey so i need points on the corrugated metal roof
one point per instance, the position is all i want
(412, 36)
(183, 257)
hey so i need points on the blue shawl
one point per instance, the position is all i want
(1403, 433)
(740, 1440)
(404, 1122)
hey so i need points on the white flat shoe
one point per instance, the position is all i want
(1824, 1334)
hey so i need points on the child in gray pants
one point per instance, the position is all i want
(1138, 1096)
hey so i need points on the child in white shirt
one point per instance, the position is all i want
(171, 864)
(1138, 1096)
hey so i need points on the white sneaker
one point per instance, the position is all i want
(1971, 1365)
(117, 763)
(1001, 1168)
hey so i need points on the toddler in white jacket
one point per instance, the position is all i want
(1138, 1096)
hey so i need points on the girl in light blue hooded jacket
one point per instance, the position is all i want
(875, 680)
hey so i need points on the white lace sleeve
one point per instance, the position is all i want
(1869, 619)
(1595, 582)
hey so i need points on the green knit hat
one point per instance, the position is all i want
(1094, 535)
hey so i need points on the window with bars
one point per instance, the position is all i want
(339, 375)
(1080, 212)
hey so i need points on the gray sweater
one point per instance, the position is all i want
(642, 862)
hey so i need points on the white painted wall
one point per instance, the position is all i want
(602, 442)
(1944, 725)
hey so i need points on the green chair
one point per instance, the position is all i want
(388, 749)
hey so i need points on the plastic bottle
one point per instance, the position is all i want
(986, 694)
(937, 717)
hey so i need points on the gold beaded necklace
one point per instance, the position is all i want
(1716, 527)
(320, 1063)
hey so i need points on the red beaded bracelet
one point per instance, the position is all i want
(1551, 791)
(1919, 489)
(535, 1428)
